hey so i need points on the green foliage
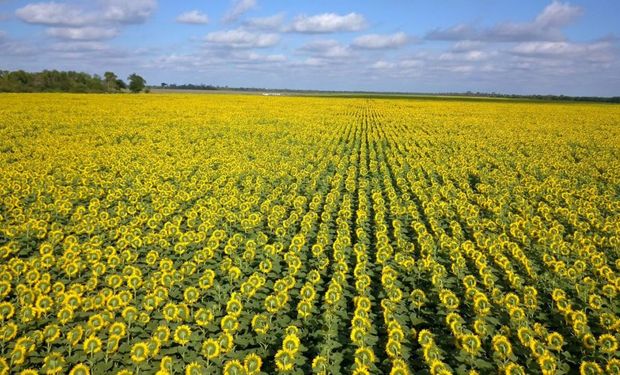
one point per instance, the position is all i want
(59, 81)
(136, 83)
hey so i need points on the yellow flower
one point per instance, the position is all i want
(589, 368)
(547, 364)
(364, 356)
(117, 329)
(80, 369)
(514, 369)
(194, 368)
(18, 355)
(471, 344)
(284, 360)
(162, 333)
(139, 352)
(203, 317)
(291, 344)
(252, 364)
(555, 341)
(182, 334)
(233, 367)
(501, 346)
(607, 343)
(92, 345)
(191, 295)
(53, 363)
(211, 349)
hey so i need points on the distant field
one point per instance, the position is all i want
(247, 234)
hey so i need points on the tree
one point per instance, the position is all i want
(136, 83)
(110, 80)
(120, 84)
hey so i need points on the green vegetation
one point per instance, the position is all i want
(60, 81)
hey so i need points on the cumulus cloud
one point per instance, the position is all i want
(378, 41)
(128, 11)
(79, 46)
(240, 38)
(328, 23)
(111, 11)
(193, 17)
(239, 8)
(265, 23)
(326, 49)
(545, 27)
(600, 52)
(53, 13)
(82, 33)
(558, 14)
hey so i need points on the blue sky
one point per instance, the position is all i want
(529, 46)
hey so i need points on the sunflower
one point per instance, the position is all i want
(364, 356)
(233, 367)
(211, 349)
(501, 346)
(234, 307)
(182, 334)
(80, 369)
(471, 344)
(191, 295)
(319, 365)
(162, 333)
(139, 352)
(170, 312)
(285, 360)
(555, 341)
(229, 324)
(92, 345)
(53, 363)
(613, 366)
(112, 344)
(590, 368)
(203, 317)
(548, 364)
(514, 369)
(18, 355)
(194, 368)
(260, 324)
(252, 364)
(9, 331)
(75, 335)
(607, 343)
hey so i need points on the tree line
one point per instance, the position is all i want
(68, 81)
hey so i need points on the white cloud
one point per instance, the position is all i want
(253, 57)
(82, 33)
(326, 49)
(469, 56)
(79, 46)
(381, 64)
(545, 27)
(239, 8)
(467, 45)
(54, 14)
(193, 17)
(558, 14)
(378, 41)
(239, 38)
(266, 23)
(128, 11)
(328, 23)
(600, 52)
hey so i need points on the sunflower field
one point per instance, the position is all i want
(239, 234)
